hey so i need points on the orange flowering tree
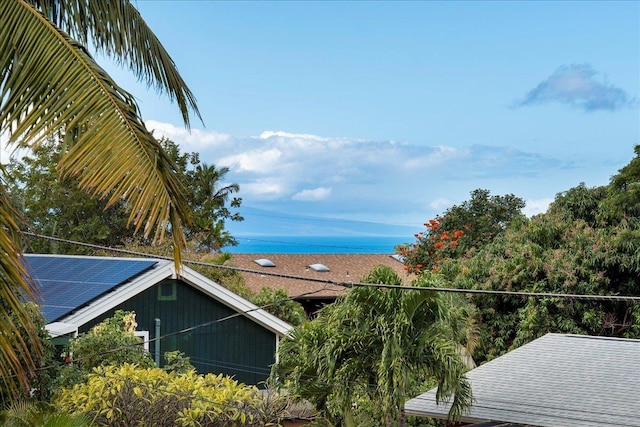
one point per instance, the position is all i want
(460, 229)
(431, 246)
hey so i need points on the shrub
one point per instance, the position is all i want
(127, 395)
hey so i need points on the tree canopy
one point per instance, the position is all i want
(587, 243)
(55, 206)
(378, 345)
(461, 228)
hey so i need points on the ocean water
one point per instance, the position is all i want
(317, 244)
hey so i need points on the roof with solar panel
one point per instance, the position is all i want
(68, 282)
(74, 289)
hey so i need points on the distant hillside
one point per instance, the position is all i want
(259, 222)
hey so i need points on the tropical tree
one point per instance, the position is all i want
(42, 380)
(40, 414)
(279, 303)
(209, 198)
(53, 206)
(56, 207)
(579, 203)
(51, 85)
(461, 228)
(111, 342)
(587, 243)
(623, 201)
(380, 345)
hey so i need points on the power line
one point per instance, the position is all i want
(191, 328)
(510, 293)
(343, 284)
(254, 369)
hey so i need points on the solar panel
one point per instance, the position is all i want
(67, 283)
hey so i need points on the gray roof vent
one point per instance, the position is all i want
(263, 262)
(319, 267)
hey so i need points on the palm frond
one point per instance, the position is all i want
(117, 29)
(49, 83)
(14, 287)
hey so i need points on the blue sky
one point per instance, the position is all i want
(393, 111)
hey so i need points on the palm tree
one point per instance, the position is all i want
(30, 414)
(209, 200)
(51, 85)
(379, 343)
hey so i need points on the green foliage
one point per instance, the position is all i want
(29, 414)
(110, 343)
(579, 203)
(588, 243)
(364, 355)
(176, 361)
(24, 414)
(623, 201)
(278, 303)
(552, 253)
(41, 380)
(127, 395)
(51, 86)
(462, 228)
(211, 201)
(55, 206)
(20, 342)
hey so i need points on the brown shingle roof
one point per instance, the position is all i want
(349, 268)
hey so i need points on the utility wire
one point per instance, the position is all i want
(325, 282)
(191, 328)
(331, 282)
(609, 298)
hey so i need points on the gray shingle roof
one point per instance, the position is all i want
(557, 380)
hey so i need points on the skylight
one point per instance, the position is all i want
(319, 267)
(398, 257)
(263, 262)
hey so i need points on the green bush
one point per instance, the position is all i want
(278, 303)
(126, 395)
(112, 342)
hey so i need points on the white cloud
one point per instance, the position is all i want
(440, 155)
(286, 135)
(317, 194)
(193, 140)
(253, 161)
(440, 204)
(535, 207)
(367, 180)
(263, 188)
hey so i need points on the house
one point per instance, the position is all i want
(557, 380)
(311, 279)
(220, 331)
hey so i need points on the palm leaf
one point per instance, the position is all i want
(49, 83)
(116, 29)
(14, 286)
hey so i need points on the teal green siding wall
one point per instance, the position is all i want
(236, 346)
